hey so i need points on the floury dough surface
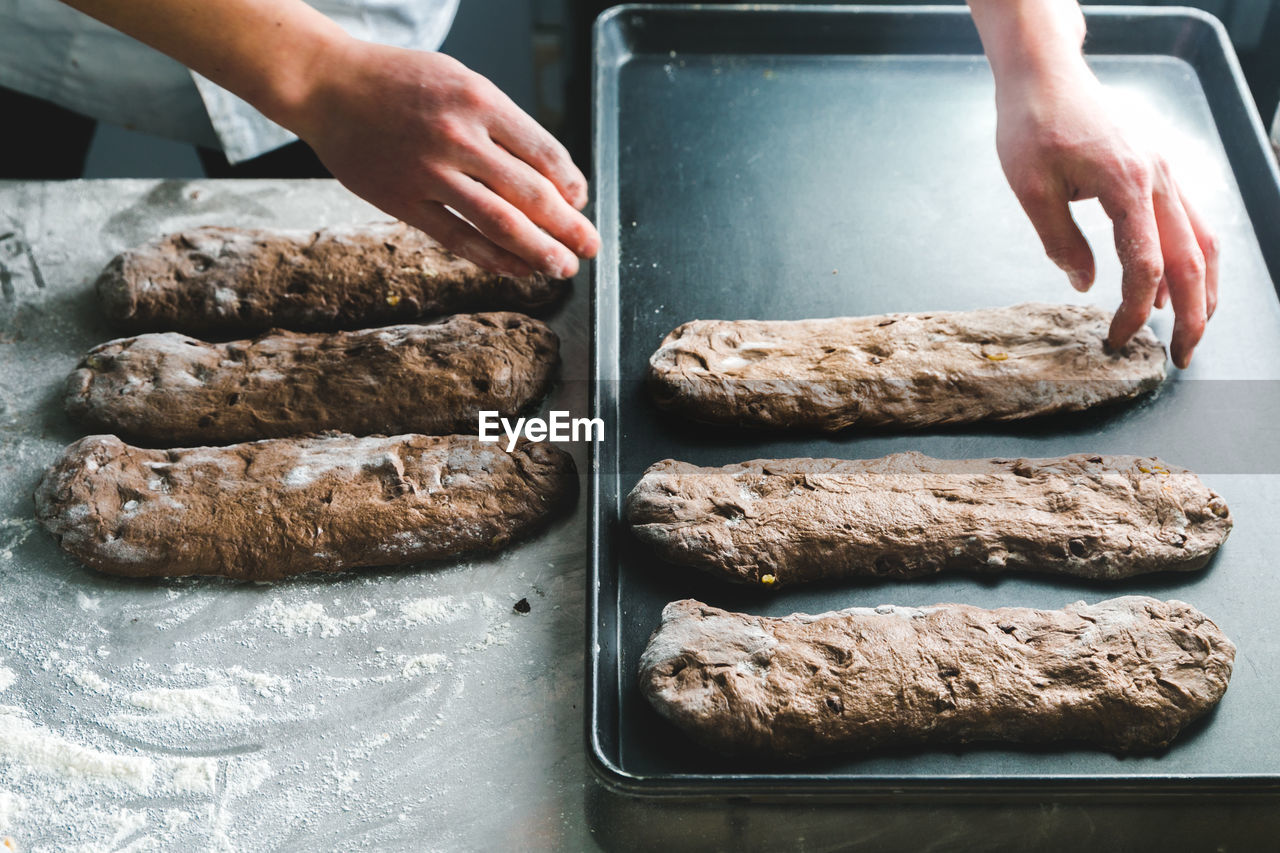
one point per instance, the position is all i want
(280, 507)
(901, 370)
(785, 521)
(1125, 674)
(169, 389)
(222, 281)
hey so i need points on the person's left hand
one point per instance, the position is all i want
(1057, 145)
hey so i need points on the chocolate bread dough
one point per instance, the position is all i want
(786, 521)
(170, 389)
(1125, 674)
(900, 370)
(269, 509)
(216, 281)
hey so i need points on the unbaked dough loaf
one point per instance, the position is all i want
(784, 521)
(217, 281)
(900, 370)
(170, 389)
(1125, 674)
(269, 509)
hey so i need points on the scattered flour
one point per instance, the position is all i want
(247, 775)
(38, 748)
(263, 683)
(194, 776)
(11, 808)
(16, 530)
(309, 617)
(497, 635)
(429, 664)
(86, 678)
(123, 824)
(346, 780)
(437, 609)
(213, 702)
(87, 602)
(7, 677)
(13, 532)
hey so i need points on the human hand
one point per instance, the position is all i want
(1056, 145)
(440, 147)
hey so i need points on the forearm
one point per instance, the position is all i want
(1029, 39)
(265, 51)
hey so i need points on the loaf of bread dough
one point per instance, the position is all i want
(1125, 674)
(783, 521)
(900, 370)
(226, 282)
(269, 509)
(169, 389)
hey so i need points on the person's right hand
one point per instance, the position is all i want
(1058, 145)
(440, 147)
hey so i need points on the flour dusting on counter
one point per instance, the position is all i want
(326, 712)
(40, 750)
(216, 701)
(309, 617)
(438, 609)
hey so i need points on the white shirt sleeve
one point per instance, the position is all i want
(420, 24)
(51, 51)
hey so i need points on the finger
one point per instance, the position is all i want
(516, 131)
(1138, 246)
(535, 196)
(1063, 242)
(465, 241)
(1184, 266)
(1208, 242)
(496, 218)
(1162, 293)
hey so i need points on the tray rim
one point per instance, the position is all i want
(791, 786)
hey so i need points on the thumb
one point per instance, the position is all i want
(1063, 242)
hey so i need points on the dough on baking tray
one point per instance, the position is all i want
(785, 521)
(1125, 674)
(900, 370)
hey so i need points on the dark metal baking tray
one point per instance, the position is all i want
(791, 162)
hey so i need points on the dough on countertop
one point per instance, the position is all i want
(170, 389)
(270, 509)
(228, 282)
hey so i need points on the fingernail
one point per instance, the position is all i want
(1079, 279)
(562, 268)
